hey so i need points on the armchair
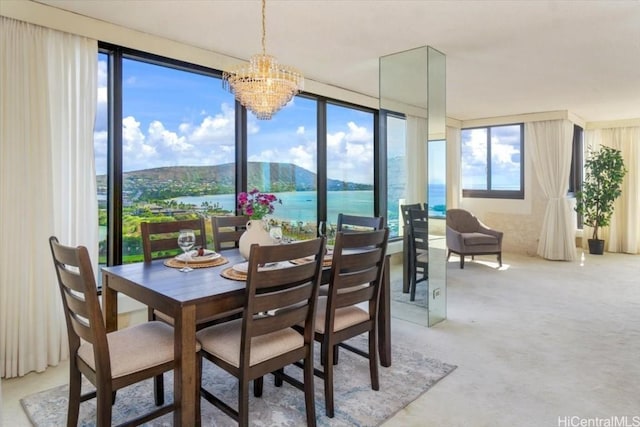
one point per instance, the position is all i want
(466, 235)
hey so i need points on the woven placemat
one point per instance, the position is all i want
(230, 273)
(326, 262)
(174, 263)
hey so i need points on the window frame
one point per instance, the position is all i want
(498, 194)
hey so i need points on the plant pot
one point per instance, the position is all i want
(596, 246)
(256, 233)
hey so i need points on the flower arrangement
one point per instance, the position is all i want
(256, 204)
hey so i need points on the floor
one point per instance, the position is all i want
(536, 342)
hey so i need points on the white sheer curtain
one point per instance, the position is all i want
(416, 159)
(454, 193)
(623, 233)
(47, 183)
(550, 146)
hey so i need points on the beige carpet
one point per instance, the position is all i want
(534, 341)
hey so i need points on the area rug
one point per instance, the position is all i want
(356, 404)
(399, 296)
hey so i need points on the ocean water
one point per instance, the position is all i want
(301, 206)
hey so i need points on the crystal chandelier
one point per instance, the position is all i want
(263, 86)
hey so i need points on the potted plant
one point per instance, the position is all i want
(602, 185)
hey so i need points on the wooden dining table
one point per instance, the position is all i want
(189, 297)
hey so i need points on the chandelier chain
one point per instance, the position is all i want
(264, 27)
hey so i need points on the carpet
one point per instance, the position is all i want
(356, 404)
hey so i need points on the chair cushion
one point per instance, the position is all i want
(223, 341)
(136, 348)
(344, 317)
(473, 239)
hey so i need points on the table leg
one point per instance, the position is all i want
(185, 374)
(109, 305)
(384, 317)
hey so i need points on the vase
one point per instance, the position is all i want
(256, 233)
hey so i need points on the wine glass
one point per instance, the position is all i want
(276, 234)
(186, 240)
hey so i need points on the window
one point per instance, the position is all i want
(437, 190)
(282, 159)
(396, 136)
(492, 162)
(349, 162)
(170, 142)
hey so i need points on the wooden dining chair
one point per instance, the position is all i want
(407, 259)
(160, 239)
(356, 277)
(227, 231)
(359, 223)
(110, 361)
(419, 238)
(263, 341)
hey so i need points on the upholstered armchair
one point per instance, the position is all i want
(466, 235)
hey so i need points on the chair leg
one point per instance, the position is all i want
(75, 384)
(461, 261)
(158, 389)
(336, 351)
(277, 380)
(373, 360)
(412, 287)
(104, 397)
(257, 386)
(328, 382)
(500, 259)
(243, 403)
(309, 397)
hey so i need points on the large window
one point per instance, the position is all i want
(396, 136)
(349, 162)
(492, 163)
(282, 159)
(171, 143)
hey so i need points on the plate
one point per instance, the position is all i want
(243, 267)
(193, 256)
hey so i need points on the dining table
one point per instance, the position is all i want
(200, 294)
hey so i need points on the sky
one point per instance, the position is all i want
(177, 118)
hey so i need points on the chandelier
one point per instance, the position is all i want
(263, 86)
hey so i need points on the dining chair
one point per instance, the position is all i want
(356, 277)
(419, 238)
(160, 239)
(353, 223)
(407, 258)
(110, 361)
(227, 231)
(263, 341)
(359, 223)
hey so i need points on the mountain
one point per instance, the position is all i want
(168, 182)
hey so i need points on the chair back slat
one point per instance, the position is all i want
(283, 298)
(160, 239)
(356, 274)
(289, 294)
(80, 300)
(227, 231)
(359, 223)
(419, 224)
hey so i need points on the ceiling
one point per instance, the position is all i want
(503, 57)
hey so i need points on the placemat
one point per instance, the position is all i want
(326, 262)
(174, 263)
(230, 273)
